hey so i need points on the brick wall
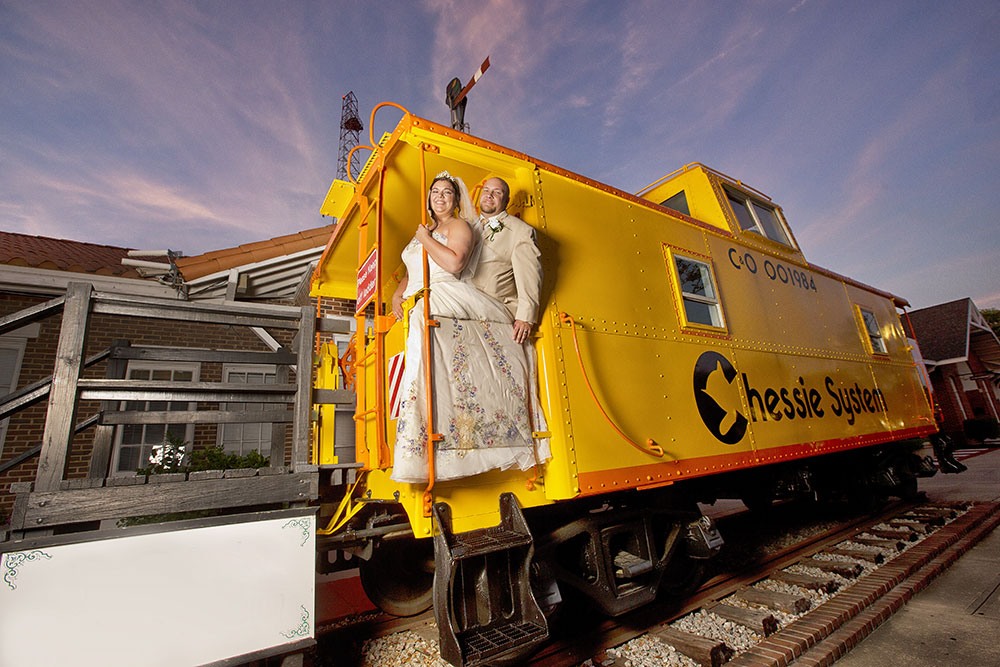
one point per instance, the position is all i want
(945, 380)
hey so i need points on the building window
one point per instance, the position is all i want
(875, 341)
(134, 442)
(697, 288)
(241, 439)
(11, 354)
(758, 217)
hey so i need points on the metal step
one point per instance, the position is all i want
(485, 609)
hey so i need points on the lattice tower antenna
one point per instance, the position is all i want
(350, 134)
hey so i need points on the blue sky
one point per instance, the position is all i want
(202, 125)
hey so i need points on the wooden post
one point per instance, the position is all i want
(278, 429)
(61, 416)
(301, 427)
(100, 457)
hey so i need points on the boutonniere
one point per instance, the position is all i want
(494, 226)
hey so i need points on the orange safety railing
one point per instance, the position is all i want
(432, 436)
(361, 354)
(382, 323)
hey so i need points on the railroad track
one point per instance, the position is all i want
(751, 603)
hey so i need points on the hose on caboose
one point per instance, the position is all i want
(650, 447)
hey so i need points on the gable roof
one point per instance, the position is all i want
(949, 332)
(63, 255)
(198, 266)
(271, 269)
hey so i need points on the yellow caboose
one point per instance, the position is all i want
(686, 351)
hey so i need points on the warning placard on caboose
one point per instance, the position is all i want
(367, 275)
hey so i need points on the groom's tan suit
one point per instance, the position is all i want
(510, 268)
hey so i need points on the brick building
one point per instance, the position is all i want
(34, 270)
(962, 355)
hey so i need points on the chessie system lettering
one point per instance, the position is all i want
(715, 377)
(803, 402)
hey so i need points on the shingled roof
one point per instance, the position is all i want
(41, 252)
(209, 263)
(942, 331)
(951, 332)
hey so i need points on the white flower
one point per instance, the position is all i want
(494, 226)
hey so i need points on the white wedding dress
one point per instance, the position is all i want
(485, 400)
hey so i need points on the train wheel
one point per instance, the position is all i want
(758, 500)
(546, 590)
(682, 576)
(399, 577)
(907, 487)
(864, 499)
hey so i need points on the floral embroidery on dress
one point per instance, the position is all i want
(473, 425)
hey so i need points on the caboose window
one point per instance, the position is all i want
(874, 333)
(677, 202)
(757, 217)
(701, 304)
(738, 202)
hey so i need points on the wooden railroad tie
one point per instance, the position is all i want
(906, 534)
(891, 545)
(875, 557)
(706, 652)
(911, 524)
(757, 620)
(943, 512)
(806, 581)
(792, 604)
(847, 570)
(602, 659)
(929, 519)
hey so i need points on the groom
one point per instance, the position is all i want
(510, 268)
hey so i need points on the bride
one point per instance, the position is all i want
(485, 405)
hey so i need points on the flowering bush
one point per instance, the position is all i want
(166, 457)
(169, 457)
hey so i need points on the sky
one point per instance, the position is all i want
(198, 126)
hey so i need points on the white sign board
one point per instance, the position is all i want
(183, 597)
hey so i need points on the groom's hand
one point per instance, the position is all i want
(521, 331)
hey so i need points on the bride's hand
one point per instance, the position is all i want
(397, 306)
(423, 234)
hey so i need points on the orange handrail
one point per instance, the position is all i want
(380, 438)
(432, 437)
(651, 447)
(350, 176)
(371, 119)
(381, 444)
